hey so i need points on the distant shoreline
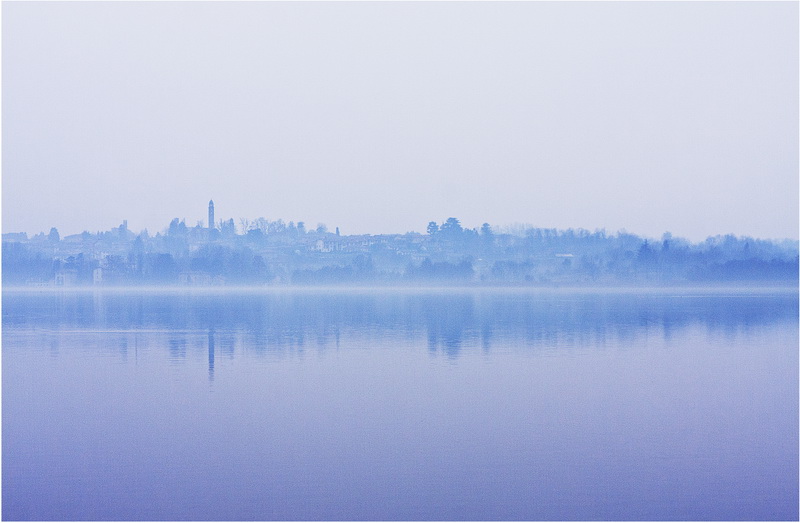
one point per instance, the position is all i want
(750, 288)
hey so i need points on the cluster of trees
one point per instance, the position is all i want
(219, 263)
(263, 252)
(429, 271)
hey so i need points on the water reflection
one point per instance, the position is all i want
(177, 348)
(405, 422)
(210, 354)
(449, 322)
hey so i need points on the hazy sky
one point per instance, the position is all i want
(379, 117)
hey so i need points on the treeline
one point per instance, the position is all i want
(262, 252)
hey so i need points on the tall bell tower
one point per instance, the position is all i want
(211, 214)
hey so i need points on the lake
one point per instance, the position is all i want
(309, 404)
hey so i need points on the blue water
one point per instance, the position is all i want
(387, 404)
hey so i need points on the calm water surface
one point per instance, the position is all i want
(384, 405)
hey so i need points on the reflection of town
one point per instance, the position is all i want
(446, 325)
(273, 253)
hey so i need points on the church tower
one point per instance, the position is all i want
(211, 214)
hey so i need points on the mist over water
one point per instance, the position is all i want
(400, 261)
(400, 404)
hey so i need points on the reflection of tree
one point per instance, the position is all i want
(177, 347)
(211, 354)
(451, 322)
(446, 320)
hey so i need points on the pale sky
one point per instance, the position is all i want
(380, 117)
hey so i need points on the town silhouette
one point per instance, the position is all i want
(269, 253)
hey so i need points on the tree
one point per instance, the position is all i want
(487, 237)
(276, 227)
(227, 227)
(646, 255)
(433, 228)
(163, 268)
(451, 228)
(177, 227)
(136, 254)
(363, 264)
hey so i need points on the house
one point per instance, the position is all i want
(66, 278)
(198, 278)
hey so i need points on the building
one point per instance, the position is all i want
(198, 278)
(66, 278)
(211, 214)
